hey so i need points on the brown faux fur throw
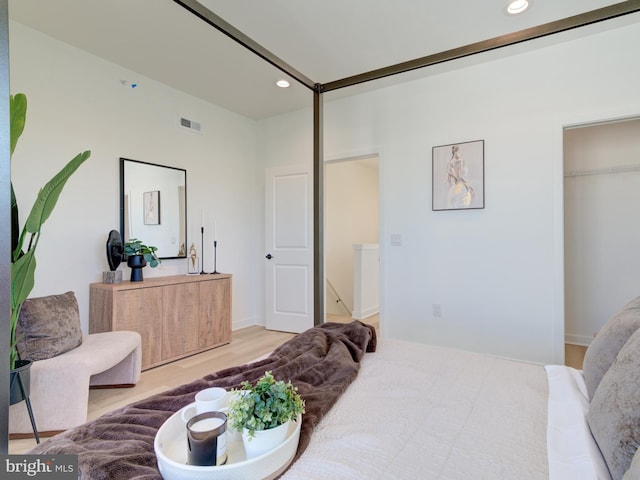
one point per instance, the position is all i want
(321, 362)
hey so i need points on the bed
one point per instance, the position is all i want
(389, 409)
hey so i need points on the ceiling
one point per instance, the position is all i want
(159, 39)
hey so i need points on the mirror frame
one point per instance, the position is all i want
(123, 162)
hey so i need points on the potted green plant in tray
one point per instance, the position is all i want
(262, 413)
(25, 241)
(138, 254)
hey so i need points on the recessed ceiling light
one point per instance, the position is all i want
(282, 83)
(517, 6)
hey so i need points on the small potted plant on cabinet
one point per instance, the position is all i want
(262, 413)
(138, 254)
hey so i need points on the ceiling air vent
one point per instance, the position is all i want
(190, 125)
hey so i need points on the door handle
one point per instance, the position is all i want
(269, 256)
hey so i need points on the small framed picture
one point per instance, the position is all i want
(151, 206)
(458, 176)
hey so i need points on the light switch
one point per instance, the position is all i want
(396, 240)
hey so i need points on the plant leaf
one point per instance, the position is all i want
(49, 194)
(15, 226)
(18, 108)
(22, 278)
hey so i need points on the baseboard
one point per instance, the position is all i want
(247, 322)
(583, 340)
(361, 315)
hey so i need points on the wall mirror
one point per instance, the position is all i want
(153, 206)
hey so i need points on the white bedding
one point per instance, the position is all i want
(423, 412)
(573, 453)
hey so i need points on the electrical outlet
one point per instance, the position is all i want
(437, 310)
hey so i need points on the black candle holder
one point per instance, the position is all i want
(215, 248)
(202, 272)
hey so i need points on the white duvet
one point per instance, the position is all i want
(573, 453)
(423, 412)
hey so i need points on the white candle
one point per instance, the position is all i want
(215, 230)
(207, 424)
(202, 218)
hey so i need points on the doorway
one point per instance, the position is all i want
(352, 239)
(601, 231)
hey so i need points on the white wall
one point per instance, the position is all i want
(496, 272)
(601, 229)
(77, 102)
(351, 217)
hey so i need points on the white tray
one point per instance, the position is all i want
(170, 446)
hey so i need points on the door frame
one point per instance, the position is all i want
(558, 128)
(378, 153)
(571, 337)
(354, 159)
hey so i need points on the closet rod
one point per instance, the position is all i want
(602, 171)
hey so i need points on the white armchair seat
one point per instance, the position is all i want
(59, 391)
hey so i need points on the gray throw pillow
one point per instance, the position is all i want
(605, 347)
(48, 326)
(614, 412)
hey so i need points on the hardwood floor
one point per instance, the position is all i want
(574, 355)
(246, 344)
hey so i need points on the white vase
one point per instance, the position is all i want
(264, 440)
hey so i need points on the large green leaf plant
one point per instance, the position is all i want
(24, 243)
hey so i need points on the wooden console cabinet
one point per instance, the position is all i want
(177, 316)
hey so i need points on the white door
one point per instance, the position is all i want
(289, 248)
